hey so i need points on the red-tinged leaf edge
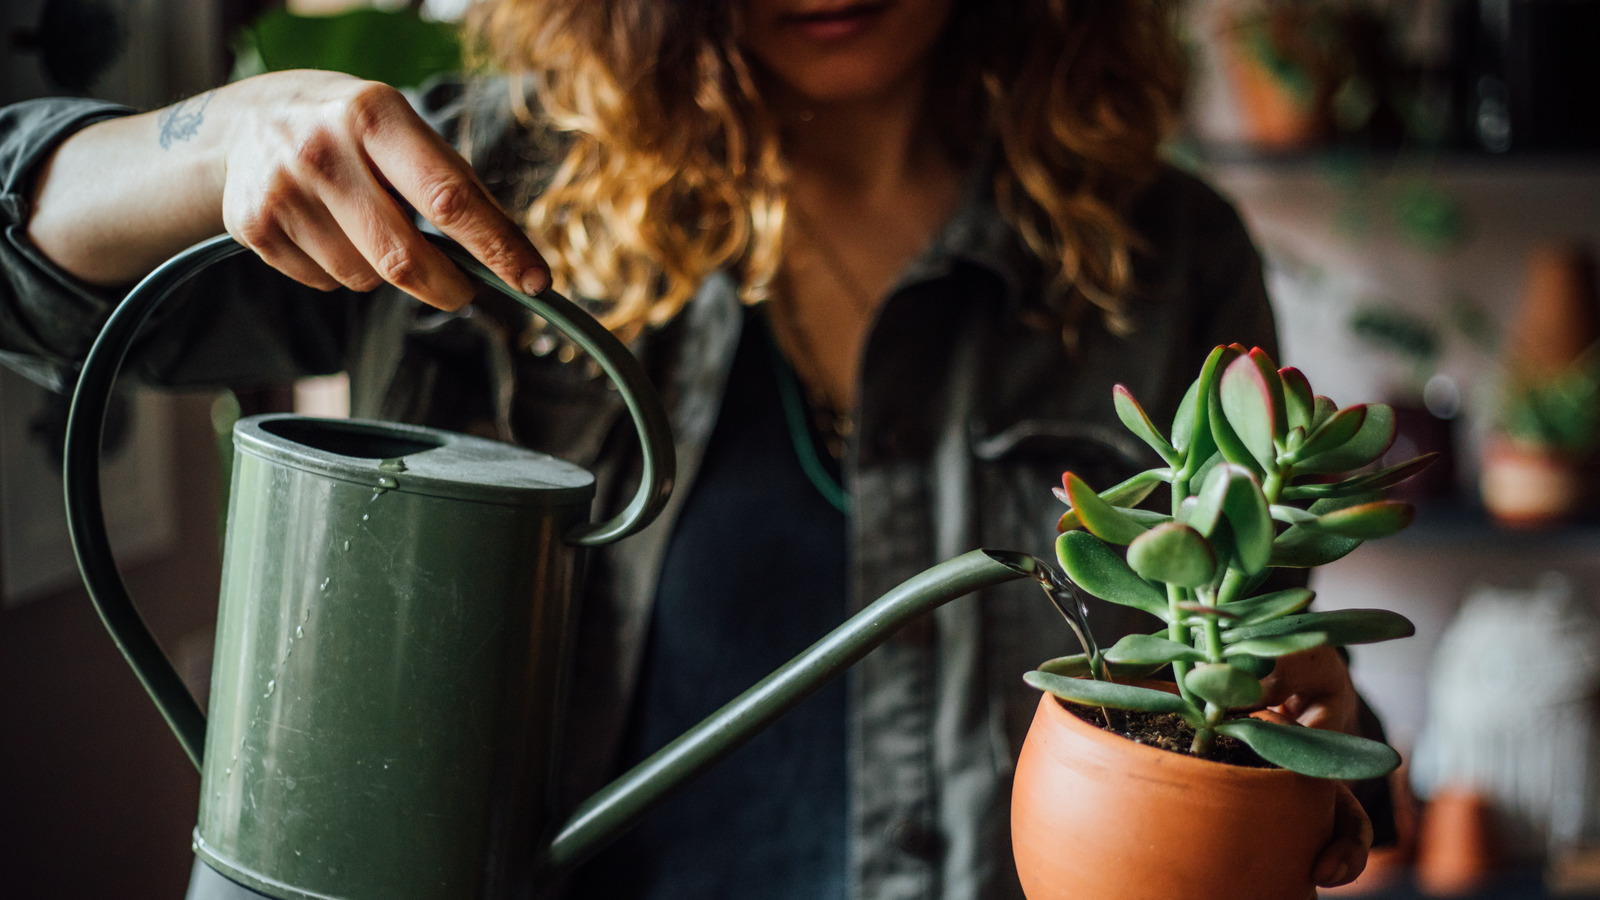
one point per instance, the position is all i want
(1298, 400)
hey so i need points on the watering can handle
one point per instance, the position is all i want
(86, 420)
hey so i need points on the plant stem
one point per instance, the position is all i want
(1176, 632)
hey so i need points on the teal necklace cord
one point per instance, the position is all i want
(794, 414)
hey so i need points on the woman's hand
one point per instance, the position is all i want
(312, 176)
(311, 170)
(1313, 688)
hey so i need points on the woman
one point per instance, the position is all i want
(885, 260)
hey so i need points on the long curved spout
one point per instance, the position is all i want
(623, 802)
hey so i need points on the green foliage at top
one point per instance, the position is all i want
(1263, 473)
(396, 47)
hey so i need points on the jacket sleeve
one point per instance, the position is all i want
(47, 318)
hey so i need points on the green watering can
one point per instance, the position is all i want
(393, 639)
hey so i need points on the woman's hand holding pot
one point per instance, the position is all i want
(1313, 688)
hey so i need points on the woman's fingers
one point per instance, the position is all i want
(280, 252)
(390, 246)
(1313, 687)
(313, 189)
(439, 184)
(1345, 856)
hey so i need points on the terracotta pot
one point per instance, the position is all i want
(1532, 487)
(1455, 847)
(1096, 815)
(1559, 315)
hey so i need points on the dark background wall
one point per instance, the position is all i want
(97, 799)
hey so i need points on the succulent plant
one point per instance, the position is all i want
(1263, 474)
(1558, 411)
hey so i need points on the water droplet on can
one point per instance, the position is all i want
(347, 545)
(386, 481)
(299, 631)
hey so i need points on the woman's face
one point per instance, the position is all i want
(831, 51)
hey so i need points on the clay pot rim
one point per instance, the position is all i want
(1183, 765)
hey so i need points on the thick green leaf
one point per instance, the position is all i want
(1313, 751)
(1369, 442)
(1386, 478)
(1300, 547)
(1204, 612)
(1298, 400)
(1232, 492)
(1117, 696)
(1258, 666)
(1252, 401)
(1296, 439)
(1342, 626)
(1292, 515)
(1224, 685)
(1229, 444)
(1137, 421)
(1380, 480)
(1269, 606)
(1368, 520)
(1340, 427)
(1245, 508)
(1126, 494)
(1100, 517)
(1322, 409)
(1207, 508)
(1148, 649)
(1183, 420)
(1282, 645)
(1149, 518)
(1077, 665)
(1205, 469)
(1173, 553)
(1099, 570)
(1191, 427)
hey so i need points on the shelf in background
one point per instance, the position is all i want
(1457, 524)
(1336, 159)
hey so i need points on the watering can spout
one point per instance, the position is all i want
(604, 816)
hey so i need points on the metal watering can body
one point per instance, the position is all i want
(393, 637)
(390, 660)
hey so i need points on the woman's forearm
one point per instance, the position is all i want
(120, 196)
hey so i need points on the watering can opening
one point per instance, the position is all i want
(361, 440)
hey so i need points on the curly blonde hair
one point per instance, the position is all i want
(673, 168)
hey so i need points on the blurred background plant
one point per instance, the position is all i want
(402, 46)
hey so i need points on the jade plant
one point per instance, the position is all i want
(1263, 474)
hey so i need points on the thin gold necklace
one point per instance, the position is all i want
(834, 420)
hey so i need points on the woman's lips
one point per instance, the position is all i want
(837, 23)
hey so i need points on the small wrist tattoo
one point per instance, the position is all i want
(181, 120)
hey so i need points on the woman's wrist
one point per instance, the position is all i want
(117, 198)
